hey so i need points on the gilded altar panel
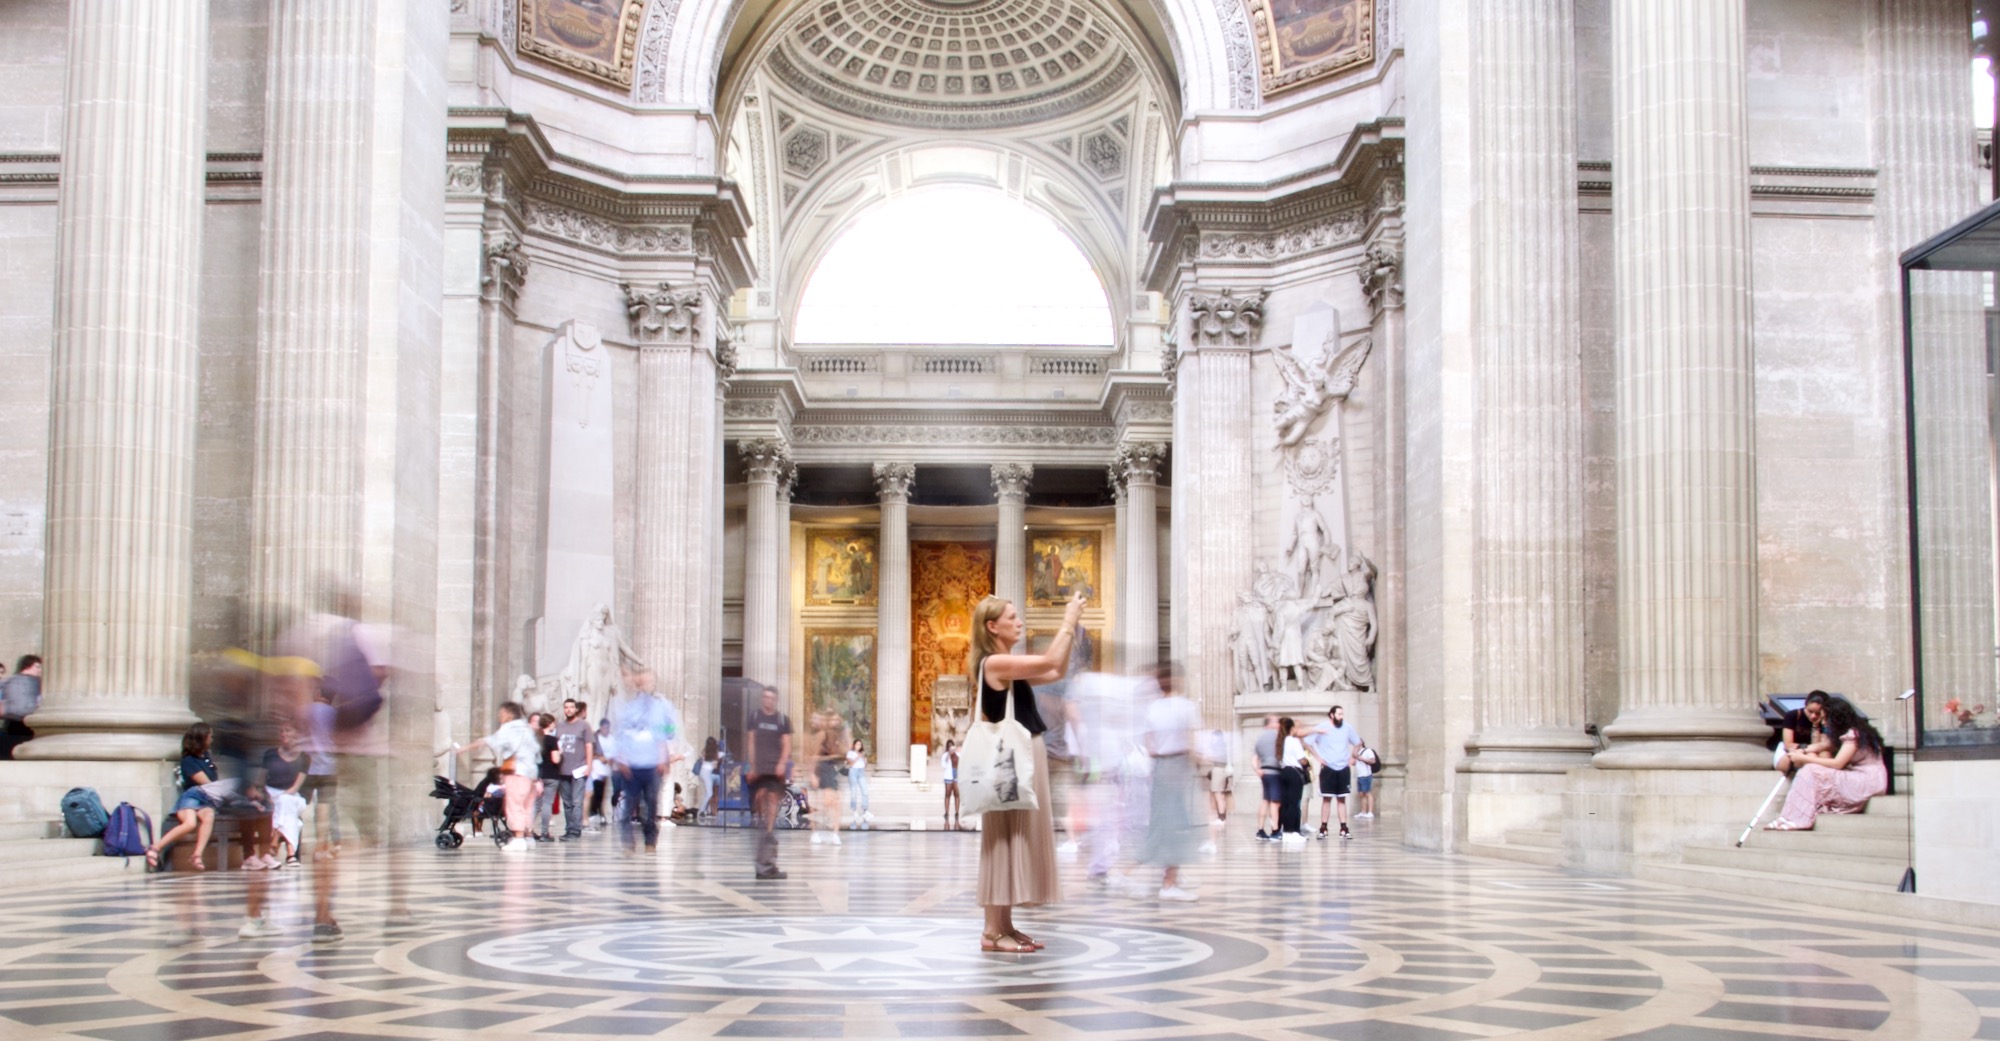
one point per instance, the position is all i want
(1299, 41)
(947, 580)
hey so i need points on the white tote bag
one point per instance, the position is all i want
(996, 765)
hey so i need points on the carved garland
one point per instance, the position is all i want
(897, 434)
(602, 235)
(653, 42)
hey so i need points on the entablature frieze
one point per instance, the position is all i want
(1056, 436)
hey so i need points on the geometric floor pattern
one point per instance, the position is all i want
(879, 938)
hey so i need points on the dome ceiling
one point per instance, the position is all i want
(931, 64)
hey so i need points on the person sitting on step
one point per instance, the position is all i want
(1841, 780)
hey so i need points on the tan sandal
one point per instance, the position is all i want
(992, 941)
(1025, 940)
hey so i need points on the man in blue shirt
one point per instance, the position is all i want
(1334, 744)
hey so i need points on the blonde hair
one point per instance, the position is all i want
(984, 643)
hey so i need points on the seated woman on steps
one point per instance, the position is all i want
(1840, 780)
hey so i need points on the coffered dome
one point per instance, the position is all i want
(930, 63)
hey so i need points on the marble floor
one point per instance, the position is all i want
(878, 938)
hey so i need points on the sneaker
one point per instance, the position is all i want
(770, 874)
(833, 838)
(1322, 830)
(1068, 849)
(570, 837)
(1207, 848)
(515, 846)
(1344, 833)
(1178, 895)
(1263, 836)
(545, 837)
(326, 932)
(259, 928)
(818, 838)
(651, 849)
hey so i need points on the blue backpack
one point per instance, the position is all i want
(121, 833)
(83, 813)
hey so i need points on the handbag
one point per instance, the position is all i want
(996, 765)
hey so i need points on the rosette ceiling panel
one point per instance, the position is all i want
(926, 63)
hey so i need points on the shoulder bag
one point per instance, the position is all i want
(996, 765)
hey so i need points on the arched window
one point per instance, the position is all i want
(954, 265)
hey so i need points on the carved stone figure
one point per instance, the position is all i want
(1312, 637)
(1311, 388)
(1251, 639)
(1306, 547)
(528, 694)
(597, 660)
(1348, 642)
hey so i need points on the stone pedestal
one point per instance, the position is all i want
(122, 383)
(1687, 545)
(1010, 534)
(892, 626)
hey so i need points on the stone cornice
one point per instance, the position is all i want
(954, 427)
(1845, 190)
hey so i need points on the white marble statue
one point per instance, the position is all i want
(1251, 638)
(528, 694)
(1312, 637)
(598, 660)
(1347, 642)
(1313, 384)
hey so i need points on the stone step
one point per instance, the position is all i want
(40, 862)
(30, 829)
(1799, 865)
(1541, 838)
(21, 851)
(1857, 896)
(1541, 856)
(1894, 845)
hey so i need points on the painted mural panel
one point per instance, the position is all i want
(596, 38)
(1061, 563)
(840, 567)
(947, 579)
(1299, 41)
(840, 677)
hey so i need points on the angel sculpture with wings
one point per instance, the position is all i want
(1308, 390)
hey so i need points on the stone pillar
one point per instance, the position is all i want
(892, 626)
(1141, 461)
(765, 460)
(1010, 542)
(306, 501)
(1530, 706)
(1928, 182)
(1121, 619)
(1381, 275)
(670, 559)
(1687, 540)
(1212, 481)
(122, 383)
(787, 481)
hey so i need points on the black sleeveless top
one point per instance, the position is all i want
(993, 704)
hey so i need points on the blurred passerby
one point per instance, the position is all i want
(549, 771)
(829, 756)
(1270, 777)
(1171, 835)
(23, 695)
(517, 749)
(577, 742)
(857, 784)
(643, 727)
(769, 736)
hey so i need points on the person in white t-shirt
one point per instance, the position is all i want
(1334, 744)
(1365, 762)
(1171, 723)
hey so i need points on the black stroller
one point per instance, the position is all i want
(462, 804)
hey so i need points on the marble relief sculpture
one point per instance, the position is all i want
(1312, 384)
(598, 660)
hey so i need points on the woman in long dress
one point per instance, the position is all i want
(1840, 782)
(1017, 848)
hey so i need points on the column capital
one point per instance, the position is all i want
(766, 459)
(1381, 274)
(1114, 475)
(1225, 319)
(1139, 462)
(788, 480)
(893, 481)
(504, 267)
(661, 314)
(1010, 481)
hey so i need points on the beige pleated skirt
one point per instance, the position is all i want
(1017, 849)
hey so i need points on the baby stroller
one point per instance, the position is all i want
(462, 804)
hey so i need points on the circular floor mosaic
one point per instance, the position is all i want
(851, 954)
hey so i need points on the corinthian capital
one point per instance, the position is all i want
(1010, 481)
(1225, 319)
(1139, 462)
(506, 266)
(1381, 274)
(662, 315)
(893, 481)
(766, 460)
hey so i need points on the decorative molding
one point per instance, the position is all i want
(465, 179)
(505, 266)
(920, 114)
(1312, 466)
(651, 86)
(955, 435)
(893, 481)
(726, 356)
(1011, 480)
(661, 315)
(765, 459)
(1342, 228)
(1242, 53)
(1225, 319)
(602, 235)
(755, 408)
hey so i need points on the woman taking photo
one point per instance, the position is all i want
(1839, 781)
(1017, 848)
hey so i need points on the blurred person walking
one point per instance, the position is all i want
(643, 726)
(517, 751)
(1017, 848)
(22, 694)
(1270, 777)
(857, 784)
(1171, 830)
(829, 756)
(769, 760)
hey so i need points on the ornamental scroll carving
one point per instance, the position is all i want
(597, 233)
(506, 266)
(1327, 233)
(661, 314)
(1225, 319)
(906, 434)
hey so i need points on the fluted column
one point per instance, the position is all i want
(1687, 545)
(1928, 182)
(1010, 542)
(892, 626)
(1141, 462)
(765, 461)
(787, 481)
(1381, 275)
(670, 560)
(122, 382)
(307, 498)
(1530, 704)
(1212, 481)
(1120, 524)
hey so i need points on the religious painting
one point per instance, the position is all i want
(1061, 563)
(1299, 41)
(840, 678)
(947, 580)
(840, 567)
(596, 38)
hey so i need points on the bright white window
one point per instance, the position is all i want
(956, 265)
